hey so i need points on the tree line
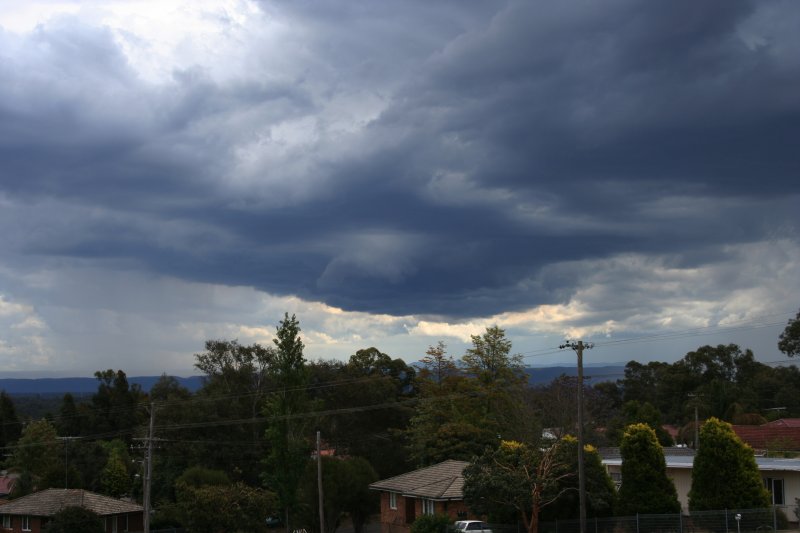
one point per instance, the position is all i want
(247, 435)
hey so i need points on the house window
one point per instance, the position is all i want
(775, 488)
(26, 523)
(428, 507)
(6, 521)
(392, 500)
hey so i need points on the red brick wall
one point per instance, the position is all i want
(394, 520)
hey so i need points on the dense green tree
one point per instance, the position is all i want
(490, 359)
(789, 340)
(645, 489)
(368, 408)
(515, 482)
(634, 412)
(115, 479)
(224, 508)
(725, 474)
(38, 453)
(601, 495)
(70, 421)
(345, 483)
(10, 426)
(75, 519)
(115, 405)
(198, 476)
(287, 410)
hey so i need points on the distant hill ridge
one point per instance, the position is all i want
(83, 385)
(536, 376)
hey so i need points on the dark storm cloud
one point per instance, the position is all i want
(513, 137)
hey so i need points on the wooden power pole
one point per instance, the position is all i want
(578, 347)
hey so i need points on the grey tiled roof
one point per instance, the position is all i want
(443, 481)
(48, 502)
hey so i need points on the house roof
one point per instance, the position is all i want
(785, 422)
(681, 460)
(50, 501)
(443, 481)
(769, 436)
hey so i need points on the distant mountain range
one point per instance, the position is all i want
(82, 385)
(536, 376)
(591, 375)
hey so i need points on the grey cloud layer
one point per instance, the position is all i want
(507, 138)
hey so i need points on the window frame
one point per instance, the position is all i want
(6, 521)
(428, 506)
(25, 523)
(770, 483)
(393, 501)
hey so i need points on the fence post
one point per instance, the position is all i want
(680, 522)
(637, 523)
(726, 521)
(774, 518)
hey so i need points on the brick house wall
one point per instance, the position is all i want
(397, 520)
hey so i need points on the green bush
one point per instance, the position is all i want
(431, 523)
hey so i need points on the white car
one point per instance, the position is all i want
(472, 526)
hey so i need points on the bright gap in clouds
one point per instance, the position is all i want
(96, 319)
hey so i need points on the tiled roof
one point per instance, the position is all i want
(48, 502)
(785, 422)
(770, 436)
(443, 481)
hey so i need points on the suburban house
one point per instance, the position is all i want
(30, 513)
(437, 489)
(781, 476)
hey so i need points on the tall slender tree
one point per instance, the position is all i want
(287, 409)
(645, 489)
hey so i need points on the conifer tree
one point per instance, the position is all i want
(645, 489)
(725, 474)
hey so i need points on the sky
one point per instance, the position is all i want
(395, 173)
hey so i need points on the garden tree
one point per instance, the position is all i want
(223, 508)
(789, 340)
(287, 410)
(514, 481)
(38, 453)
(345, 483)
(115, 479)
(490, 358)
(450, 423)
(645, 489)
(75, 519)
(725, 474)
(10, 426)
(115, 405)
(601, 495)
